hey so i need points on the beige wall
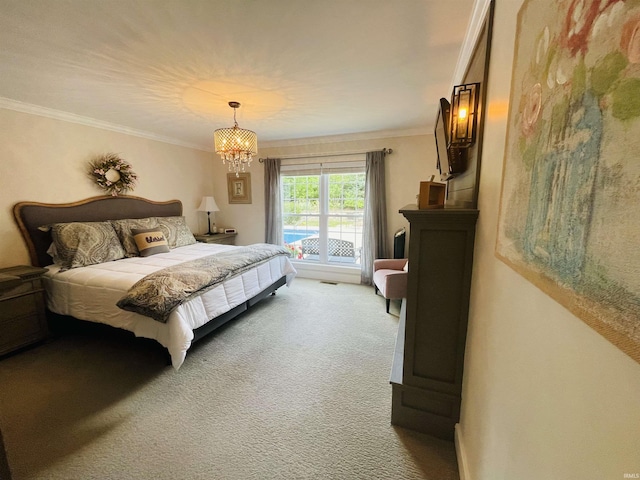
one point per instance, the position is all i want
(45, 160)
(413, 159)
(544, 395)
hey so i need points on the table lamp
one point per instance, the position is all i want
(208, 205)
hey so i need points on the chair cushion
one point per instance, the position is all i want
(391, 283)
(389, 263)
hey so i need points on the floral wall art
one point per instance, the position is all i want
(570, 203)
(112, 174)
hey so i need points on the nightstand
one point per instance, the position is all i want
(223, 238)
(22, 308)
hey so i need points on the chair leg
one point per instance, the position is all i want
(388, 302)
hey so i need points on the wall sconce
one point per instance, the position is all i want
(464, 118)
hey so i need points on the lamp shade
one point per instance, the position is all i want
(208, 204)
(236, 146)
(235, 141)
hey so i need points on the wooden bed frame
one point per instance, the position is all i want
(29, 216)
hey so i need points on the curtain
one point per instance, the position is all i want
(273, 202)
(374, 234)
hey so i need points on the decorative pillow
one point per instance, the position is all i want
(176, 231)
(79, 244)
(150, 241)
(123, 229)
(51, 251)
(406, 266)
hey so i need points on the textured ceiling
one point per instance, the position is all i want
(300, 68)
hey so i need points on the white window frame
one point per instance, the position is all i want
(311, 166)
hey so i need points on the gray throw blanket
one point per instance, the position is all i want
(157, 294)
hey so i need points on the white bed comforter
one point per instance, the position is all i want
(90, 293)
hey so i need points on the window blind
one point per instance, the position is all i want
(328, 165)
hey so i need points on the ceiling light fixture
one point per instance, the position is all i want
(235, 145)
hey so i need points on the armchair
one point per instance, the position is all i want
(390, 278)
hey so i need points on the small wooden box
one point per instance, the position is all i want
(431, 195)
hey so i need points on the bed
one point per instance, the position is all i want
(91, 292)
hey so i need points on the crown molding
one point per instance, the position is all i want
(348, 137)
(476, 22)
(29, 108)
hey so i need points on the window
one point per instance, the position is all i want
(323, 212)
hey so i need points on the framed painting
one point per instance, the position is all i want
(570, 202)
(239, 187)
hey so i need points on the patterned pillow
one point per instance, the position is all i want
(150, 241)
(176, 231)
(123, 229)
(79, 244)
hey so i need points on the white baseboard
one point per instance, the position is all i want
(461, 454)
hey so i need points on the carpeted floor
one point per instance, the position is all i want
(298, 388)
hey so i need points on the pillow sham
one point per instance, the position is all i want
(123, 229)
(78, 244)
(176, 231)
(150, 241)
(51, 251)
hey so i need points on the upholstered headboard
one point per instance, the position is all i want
(31, 215)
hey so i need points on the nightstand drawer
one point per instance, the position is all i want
(22, 311)
(226, 241)
(26, 287)
(219, 238)
(21, 331)
(19, 306)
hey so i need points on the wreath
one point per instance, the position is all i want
(112, 174)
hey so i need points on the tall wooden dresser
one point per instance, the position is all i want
(426, 376)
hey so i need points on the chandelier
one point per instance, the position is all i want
(236, 146)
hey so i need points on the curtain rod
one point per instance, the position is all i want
(386, 151)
